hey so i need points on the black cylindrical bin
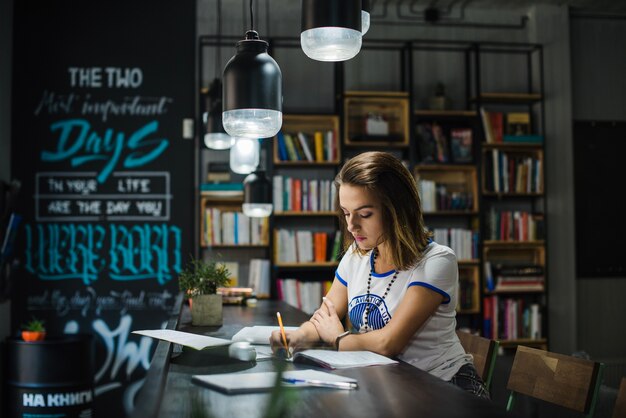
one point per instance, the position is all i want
(50, 378)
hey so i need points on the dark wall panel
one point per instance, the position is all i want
(599, 150)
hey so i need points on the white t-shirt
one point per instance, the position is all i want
(435, 347)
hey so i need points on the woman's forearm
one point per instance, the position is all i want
(310, 332)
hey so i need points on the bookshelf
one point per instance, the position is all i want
(512, 193)
(306, 154)
(232, 238)
(447, 173)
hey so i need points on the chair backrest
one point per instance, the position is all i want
(619, 411)
(484, 352)
(556, 378)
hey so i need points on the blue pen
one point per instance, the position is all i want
(321, 383)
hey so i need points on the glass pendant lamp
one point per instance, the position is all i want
(253, 96)
(244, 155)
(365, 16)
(215, 136)
(331, 29)
(257, 195)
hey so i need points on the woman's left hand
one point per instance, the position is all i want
(327, 322)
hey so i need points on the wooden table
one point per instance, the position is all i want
(397, 390)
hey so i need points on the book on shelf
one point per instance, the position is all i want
(426, 144)
(291, 148)
(259, 276)
(441, 140)
(513, 173)
(218, 172)
(520, 226)
(283, 155)
(222, 189)
(493, 125)
(518, 278)
(464, 242)
(233, 269)
(518, 123)
(511, 318)
(305, 295)
(467, 290)
(461, 145)
(318, 146)
(298, 147)
(526, 139)
(304, 143)
(336, 251)
(305, 195)
(331, 146)
(302, 246)
(488, 272)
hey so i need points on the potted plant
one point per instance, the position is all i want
(200, 280)
(33, 330)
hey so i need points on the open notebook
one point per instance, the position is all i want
(331, 359)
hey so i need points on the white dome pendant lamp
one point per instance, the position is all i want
(245, 155)
(257, 192)
(331, 29)
(253, 96)
(365, 16)
(215, 137)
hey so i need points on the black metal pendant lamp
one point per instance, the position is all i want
(252, 90)
(331, 29)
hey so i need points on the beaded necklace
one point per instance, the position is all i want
(369, 282)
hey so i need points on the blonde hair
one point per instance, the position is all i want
(391, 182)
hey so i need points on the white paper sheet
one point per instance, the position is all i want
(187, 339)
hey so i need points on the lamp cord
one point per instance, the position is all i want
(251, 17)
(218, 52)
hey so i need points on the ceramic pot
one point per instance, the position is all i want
(206, 310)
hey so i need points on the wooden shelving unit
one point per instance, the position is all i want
(392, 107)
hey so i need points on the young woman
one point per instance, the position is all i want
(396, 288)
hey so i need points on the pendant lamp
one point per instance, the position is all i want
(257, 195)
(252, 91)
(365, 16)
(331, 29)
(215, 136)
(244, 155)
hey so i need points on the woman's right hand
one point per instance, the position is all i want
(296, 340)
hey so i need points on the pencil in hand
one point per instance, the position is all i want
(282, 333)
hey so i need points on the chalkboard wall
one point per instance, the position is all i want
(100, 91)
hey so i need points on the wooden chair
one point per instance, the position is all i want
(619, 411)
(563, 380)
(484, 352)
